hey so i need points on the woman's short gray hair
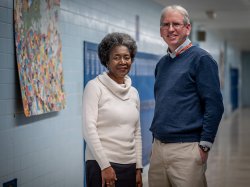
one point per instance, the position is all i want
(180, 9)
(112, 40)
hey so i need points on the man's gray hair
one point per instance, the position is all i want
(177, 8)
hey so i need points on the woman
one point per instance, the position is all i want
(111, 125)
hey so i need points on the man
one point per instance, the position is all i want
(188, 107)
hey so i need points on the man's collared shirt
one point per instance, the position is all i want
(179, 49)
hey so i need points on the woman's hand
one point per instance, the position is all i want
(138, 178)
(108, 177)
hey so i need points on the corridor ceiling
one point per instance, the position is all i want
(232, 21)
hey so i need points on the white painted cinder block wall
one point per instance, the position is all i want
(47, 150)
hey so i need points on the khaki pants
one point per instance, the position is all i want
(176, 165)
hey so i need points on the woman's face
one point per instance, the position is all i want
(119, 63)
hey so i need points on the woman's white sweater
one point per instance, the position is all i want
(111, 123)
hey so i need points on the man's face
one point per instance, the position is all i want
(173, 30)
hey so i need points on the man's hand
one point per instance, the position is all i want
(204, 155)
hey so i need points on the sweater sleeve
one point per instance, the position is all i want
(138, 138)
(208, 86)
(91, 97)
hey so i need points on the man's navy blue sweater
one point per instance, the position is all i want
(188, 101)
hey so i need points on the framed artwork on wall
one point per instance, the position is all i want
(39, 55)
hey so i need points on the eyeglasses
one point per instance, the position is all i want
(175, 25)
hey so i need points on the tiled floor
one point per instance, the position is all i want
(229, 159)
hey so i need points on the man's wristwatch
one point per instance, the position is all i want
(204, 148)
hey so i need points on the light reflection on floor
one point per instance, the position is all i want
(229, 159)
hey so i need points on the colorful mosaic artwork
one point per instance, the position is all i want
(39, 55)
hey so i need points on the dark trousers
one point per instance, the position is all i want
(125, 174)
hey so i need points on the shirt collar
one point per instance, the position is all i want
(173, 54)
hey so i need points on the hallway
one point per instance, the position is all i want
(229, 159)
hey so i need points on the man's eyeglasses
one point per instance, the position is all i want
(174, 25)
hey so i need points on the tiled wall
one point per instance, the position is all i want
(46, 150)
